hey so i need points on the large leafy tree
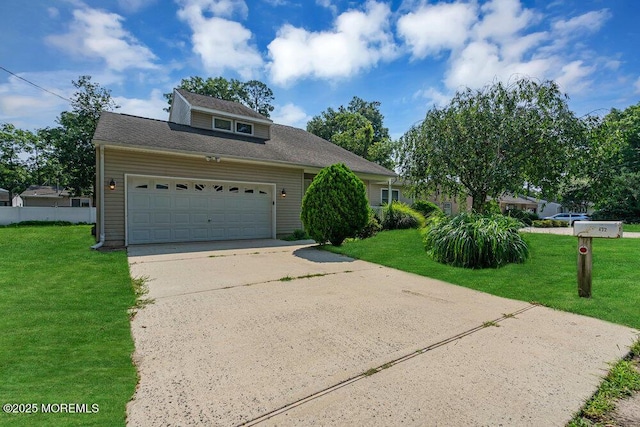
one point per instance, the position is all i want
(13, 169)
(358, 127)
(489, 141)
(72, 138)
(610, 168)
(254, 94)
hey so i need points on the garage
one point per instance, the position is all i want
(164, 210)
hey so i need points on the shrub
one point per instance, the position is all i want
(426, 208)
(296, 235)
(474, 240)
(371, 228)
(335, 205)
(549, 223)
(525, 217)
(398, 215)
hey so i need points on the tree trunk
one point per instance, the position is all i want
(479, 202)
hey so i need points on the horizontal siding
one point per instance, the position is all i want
(201, 120)
(121, 162)
(262, 131)
(180, 111)
(376, 198)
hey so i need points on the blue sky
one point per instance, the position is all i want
(314, 54)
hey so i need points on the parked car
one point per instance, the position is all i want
(570, 217)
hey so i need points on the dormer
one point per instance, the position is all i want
(211, 113)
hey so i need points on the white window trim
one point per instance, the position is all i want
(213, 124)
(239, 122)
(382, 190)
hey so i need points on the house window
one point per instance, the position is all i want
(244, 128)
(446, 208)
(385, 195)
(222, 124)
(75, 203)
(80, 203)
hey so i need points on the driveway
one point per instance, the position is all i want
(277, 334)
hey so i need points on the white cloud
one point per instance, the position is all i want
(329, 5)
(97, 34)
(290, 114)
(503, 19)
(573, 75)
(221, 43)
(433, 97)
(432, 28)
(152, 107)
(636, 86)
(358, 41)
(587, 22)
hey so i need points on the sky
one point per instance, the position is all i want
(409, 55)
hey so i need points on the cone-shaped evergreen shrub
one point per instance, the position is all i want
(335, 205)
(473, 240)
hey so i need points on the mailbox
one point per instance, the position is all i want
(606, 229)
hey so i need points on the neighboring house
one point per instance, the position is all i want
(4, 197)
(508, 202)
(49, 196)
(546, 208)
(216, 170)
(17, 201)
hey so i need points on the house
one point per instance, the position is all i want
(508, 202)
(4, 197)
(216, 170)
(17, 201)
(546, 208)
(449, 205)
(50, 196)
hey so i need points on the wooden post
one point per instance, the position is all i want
(584, 267)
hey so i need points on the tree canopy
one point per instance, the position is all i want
(501, 138)
(72, 138)
(358, 128)
(254, 93)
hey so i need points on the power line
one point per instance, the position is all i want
(35, 85)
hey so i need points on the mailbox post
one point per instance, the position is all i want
(586, 231)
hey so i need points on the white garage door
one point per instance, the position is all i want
(163, 210)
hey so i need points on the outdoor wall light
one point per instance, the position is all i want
(112, 184)
(283, 193)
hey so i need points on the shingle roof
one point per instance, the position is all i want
(44, 191)
(212, 103)
(287, 144)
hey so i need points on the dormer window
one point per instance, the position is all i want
(245, 128)
(222, 124)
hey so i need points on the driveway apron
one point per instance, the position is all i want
(270, 333)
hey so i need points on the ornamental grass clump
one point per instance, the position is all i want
(472, 240)
(398, 216)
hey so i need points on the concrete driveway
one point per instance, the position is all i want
(277, 334)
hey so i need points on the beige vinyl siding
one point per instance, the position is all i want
(98, 189)
(119, 162)
(261, 131)
(201, 120)
(180, 111)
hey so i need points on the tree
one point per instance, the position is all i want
(72, 139)
(493, 140)
(13, 170)
(253, 94)
(349, 128)
(335, 205)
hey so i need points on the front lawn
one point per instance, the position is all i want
(635, 228)
(65, 328)
(548, 277)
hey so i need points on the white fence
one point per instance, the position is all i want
(11, 215)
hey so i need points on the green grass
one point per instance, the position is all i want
(635, 228)
(548, 277)
(65, 326)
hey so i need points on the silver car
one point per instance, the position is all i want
(569, 217)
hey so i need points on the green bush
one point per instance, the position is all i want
(297, 235)
(525, 217)
(371, 228)
(335, 205)
(472, 240)
(426, 208)
(549, 223)
(398, 215)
